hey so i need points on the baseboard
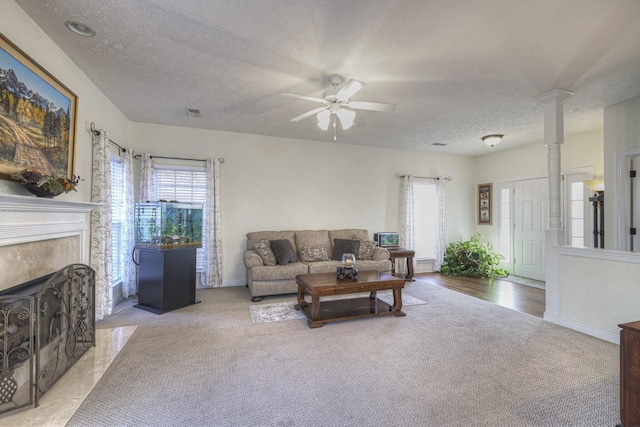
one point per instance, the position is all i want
(236, 282)
(585, 329)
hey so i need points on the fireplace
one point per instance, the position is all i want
(44, 244)
(46, 325)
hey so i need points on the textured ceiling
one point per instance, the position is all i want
(457, 70)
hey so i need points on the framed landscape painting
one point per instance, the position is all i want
(37, 117)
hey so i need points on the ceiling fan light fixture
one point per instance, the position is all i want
(323, 119)
(492, 140)
(346, 118)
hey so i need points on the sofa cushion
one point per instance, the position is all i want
(279, 272)
(283, 250)
(263, 248)
(323, 266)
(342, 246)
(366, 249)
(313, 238)
(314, 253)
(256, 236)
(348, 233)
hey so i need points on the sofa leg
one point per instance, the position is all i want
(256, 299)
(246, 285)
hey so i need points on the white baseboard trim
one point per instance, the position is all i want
(585, 329)
(236, 282)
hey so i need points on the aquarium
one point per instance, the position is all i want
(168, 225)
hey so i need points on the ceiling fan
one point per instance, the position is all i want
(336, 104)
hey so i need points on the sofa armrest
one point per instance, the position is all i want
(252, 259)
(380, 254)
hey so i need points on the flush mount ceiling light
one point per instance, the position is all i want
(80, 28)
(492, 140)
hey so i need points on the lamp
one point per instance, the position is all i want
(323, 119)
(492, 140)
(346, 117)
(597, 186)
(594, 184)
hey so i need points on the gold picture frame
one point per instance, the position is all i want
(484, 204)
(37, 117)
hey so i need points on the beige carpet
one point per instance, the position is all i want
(454, 361)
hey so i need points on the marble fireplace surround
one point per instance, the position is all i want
(39, 236)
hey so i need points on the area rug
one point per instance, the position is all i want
(525, 281)
(277, 312)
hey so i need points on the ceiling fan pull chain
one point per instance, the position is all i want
(335, 130)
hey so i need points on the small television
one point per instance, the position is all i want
(387, 239)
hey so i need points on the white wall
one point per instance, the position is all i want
(93, 105)
(583, 150)
(278, 184)
(622, 135)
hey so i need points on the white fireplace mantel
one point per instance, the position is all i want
(14, 203)
(38, 221)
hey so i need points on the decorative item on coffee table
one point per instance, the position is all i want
(348, 269)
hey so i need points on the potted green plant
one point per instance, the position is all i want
(45, 185)
(473, 258)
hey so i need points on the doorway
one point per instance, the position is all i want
(531, 216)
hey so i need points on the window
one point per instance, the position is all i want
(505, 222)
(576, 202)
(183, 184)
(117, 219)
(425, 212)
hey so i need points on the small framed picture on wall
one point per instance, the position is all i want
(484, 204)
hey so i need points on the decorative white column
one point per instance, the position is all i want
(554, 236)
(553, 139)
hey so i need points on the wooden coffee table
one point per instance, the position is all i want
(327, 284)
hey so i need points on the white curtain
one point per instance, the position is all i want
(212, 241)
(129, 273)
(147, 193)
(101, 259)
(407, 224)
(440, 233)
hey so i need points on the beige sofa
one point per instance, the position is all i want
(281, 279)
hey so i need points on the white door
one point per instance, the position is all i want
(531, 217)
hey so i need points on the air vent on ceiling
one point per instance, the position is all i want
(439, 144)
(193, 112)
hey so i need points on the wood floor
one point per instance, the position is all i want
(524, 299)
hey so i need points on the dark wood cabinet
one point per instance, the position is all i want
(630, 374)
(167, 279)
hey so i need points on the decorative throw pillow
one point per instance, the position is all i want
(343, 246)
(314, 253)
(283, 251)
(366, 249)
(263, 248)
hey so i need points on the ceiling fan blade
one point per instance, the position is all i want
(373, 106)
(308, 98)
(349, 89)
(308, 114)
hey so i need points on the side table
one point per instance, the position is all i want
(402, 253)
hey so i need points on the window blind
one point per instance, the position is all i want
(185, 185)
(117, 219)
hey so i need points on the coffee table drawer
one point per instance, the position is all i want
(350, 288)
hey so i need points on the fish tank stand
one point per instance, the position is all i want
(167, 279)
(167, 237)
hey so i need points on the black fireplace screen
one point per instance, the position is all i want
(46, 325)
